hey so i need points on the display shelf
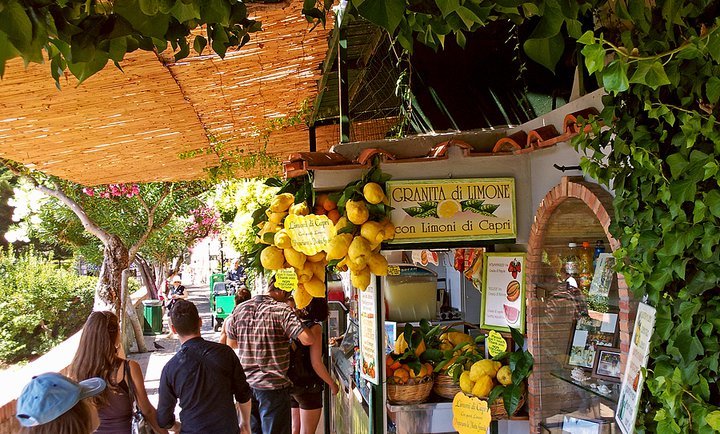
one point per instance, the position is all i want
(612, 397)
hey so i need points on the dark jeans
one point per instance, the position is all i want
(271, 412)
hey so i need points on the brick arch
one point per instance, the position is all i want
(600, 202)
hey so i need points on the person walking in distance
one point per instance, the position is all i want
(204, 376)
(261, 329)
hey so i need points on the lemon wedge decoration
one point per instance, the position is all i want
(448, 208)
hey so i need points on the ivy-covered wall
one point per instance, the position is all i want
(656, 144)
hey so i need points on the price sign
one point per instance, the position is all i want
(496, 344)
(310, 234)
(471, 415)
(286, 279)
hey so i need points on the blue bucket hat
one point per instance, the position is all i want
(47, 396)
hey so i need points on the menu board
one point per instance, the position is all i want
(452, 210)
(633, 379)
(310, 234)
(369, 357)
(503, 292)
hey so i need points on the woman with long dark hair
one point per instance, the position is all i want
(98, 356)
(308, 372)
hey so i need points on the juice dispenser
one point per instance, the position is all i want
(410, 293)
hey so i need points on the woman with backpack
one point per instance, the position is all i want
(308, 372)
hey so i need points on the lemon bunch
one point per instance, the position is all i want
(280, 254)
(356, 248)
(482, 376)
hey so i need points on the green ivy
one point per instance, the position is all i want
(84, 35)
(658, 150)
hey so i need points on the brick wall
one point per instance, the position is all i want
(550, 324)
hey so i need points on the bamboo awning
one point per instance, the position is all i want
(132, 126)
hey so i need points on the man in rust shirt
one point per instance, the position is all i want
(261, 329)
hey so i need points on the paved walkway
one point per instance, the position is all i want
(152, 362)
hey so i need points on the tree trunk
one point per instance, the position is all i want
(160, 277)
(115, 260)
(148, 280)
(108, 293)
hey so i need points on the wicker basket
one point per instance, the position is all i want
(497, 408)
(445, 387)
(414, 393)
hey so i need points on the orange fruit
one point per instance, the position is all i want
(320, 200)
(319, 211)
(333, 215)
(329, 205)
(401, 376)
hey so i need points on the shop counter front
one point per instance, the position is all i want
(428, 418)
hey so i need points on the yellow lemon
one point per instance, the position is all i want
(373, 193)
(338, 247)
(389, 230)
(304, 274)
(466, 384)
(294, 258)
(272, 258)
(504, 375)
(360, 280)
(281, 202)
(483, 386)
(315, 287)
(359, 247)
(378, 264)
(342, 223)
(318, 269)
(302, 297)
(300, 209)
(317, 257)
(373, 232)
(448, 208)
(357, 211)
(276, 217)
(282, 239)
(483, 367)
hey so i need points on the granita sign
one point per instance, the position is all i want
(453, 210)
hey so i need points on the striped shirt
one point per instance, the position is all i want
(263, 329)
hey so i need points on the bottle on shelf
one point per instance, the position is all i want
(585, 269)
(572, 265)
(599, 248)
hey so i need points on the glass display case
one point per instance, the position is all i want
(577, 324)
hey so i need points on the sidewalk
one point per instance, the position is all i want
(153, 361)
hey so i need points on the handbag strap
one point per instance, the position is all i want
(129, 381)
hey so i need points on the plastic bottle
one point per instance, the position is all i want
(572, 261)
(599, 248)
(585, 266)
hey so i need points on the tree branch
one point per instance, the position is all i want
(75, 207)
(150, 228)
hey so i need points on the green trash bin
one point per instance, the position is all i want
(152, 312)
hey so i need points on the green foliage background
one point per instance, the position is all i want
(40, 304)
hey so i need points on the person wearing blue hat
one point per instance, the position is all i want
(54, 404)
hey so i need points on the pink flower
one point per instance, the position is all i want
(89, 191)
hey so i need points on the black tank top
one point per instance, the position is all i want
(301, 372)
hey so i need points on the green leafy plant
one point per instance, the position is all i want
(40, 304)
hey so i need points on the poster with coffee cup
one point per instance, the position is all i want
(503, 293)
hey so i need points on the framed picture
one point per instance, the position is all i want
(575, 425)
(503, 293)
(604, 274)
(607, 364)
(596, 330)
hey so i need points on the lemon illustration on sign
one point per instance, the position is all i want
(448, 208)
